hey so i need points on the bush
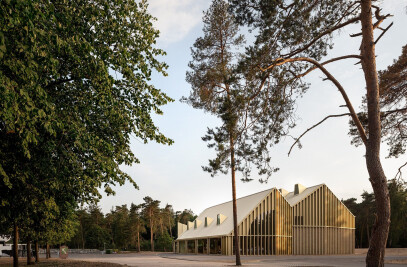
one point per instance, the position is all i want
(164, 242)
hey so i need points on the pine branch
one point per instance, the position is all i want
(328, 31)
(327, 62)
(315, 125)
(384, 31)
(281, 61)
(399, 173)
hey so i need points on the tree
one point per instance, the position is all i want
(398, 201)
(217, 88)
(121, 227)
(185, 216)
(137, 224)
(151, 212)
(365, 215)
(164, 242)
(393, 100)
(168, 217)
(74, 79)
(297, 35)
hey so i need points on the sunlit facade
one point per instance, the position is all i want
(309, 221)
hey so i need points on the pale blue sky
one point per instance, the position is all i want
(173, 174)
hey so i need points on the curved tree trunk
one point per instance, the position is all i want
(236, 237)
(15, 246)
(380, 230)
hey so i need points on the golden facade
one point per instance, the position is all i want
(310, 221)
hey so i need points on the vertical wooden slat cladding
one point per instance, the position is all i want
(329, 228)
(267, 230)
(318, 224)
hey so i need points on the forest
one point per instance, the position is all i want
(142, 227)
(365, 213)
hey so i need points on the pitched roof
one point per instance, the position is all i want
(294, 199)
(244, 206)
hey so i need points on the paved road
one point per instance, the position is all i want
(169, 259)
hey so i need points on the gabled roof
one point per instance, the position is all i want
(244, 206)
(294, 199)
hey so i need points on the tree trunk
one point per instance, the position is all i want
(236, 237)
(367, 234)
(138, 241)
(169, 224)
(29, 259)
(37, 252)
(82, 236)
(380, 229)
(151, 235)
(48, 252)
(15, 246)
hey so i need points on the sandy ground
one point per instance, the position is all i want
(57, 262)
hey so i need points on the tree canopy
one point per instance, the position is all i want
(75, 85)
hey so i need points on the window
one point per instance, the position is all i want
(218, 219)
(206, 221)
(298, 220)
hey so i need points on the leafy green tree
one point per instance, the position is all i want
(240, 141)
(74, 79)
(296, 35)
(164, 242)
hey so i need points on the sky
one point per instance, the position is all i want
(173, 174)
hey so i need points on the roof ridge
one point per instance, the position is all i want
(307, 187)
(238, 199)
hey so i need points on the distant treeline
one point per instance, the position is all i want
(365, 213)
(148, 227)
(139, 227)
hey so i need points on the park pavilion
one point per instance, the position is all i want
(310, 221)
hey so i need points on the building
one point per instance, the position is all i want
(310, 221)
(4, 246)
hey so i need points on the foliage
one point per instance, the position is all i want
(365, 213)
(393, 100)
(185, 216)
(123, 228)
(74, 86)
(164, 242)
(249, 125)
